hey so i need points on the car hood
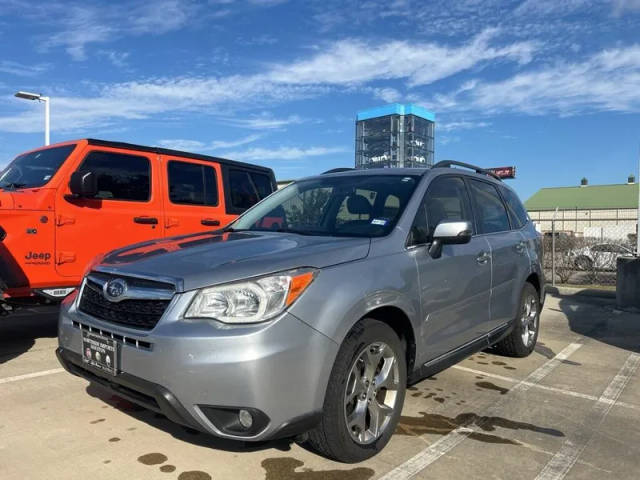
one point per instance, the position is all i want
(210, 258)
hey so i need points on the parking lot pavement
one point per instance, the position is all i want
(570, 410)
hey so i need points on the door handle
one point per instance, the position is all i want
(520, 247)
(483, 258)
(210, 222)
(146, 220)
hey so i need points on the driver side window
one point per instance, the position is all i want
(446, 200)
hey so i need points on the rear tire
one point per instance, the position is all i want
(359, 392)
(522, 339)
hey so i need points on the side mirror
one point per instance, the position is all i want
(450, 232)
(84, 184)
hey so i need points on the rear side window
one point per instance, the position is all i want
(491, 214)
(262, 184)
(517, 212)
(120, 176)
(243, 193)
(248, 188)
(192, 184)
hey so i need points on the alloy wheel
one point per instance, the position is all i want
(529, 319)
(371, 392)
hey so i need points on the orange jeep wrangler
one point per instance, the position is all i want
(62, 205)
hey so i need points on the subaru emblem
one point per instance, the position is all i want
(115, 289)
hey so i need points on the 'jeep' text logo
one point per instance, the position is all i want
(43, 257)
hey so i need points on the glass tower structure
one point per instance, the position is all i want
(395, 135)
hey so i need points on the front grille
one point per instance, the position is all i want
(142, 314)
(132, 342)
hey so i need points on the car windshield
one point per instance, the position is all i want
(34, 169)
(347, 205)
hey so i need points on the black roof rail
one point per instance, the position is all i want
(338, 170)
(449, 163)
(179, 153)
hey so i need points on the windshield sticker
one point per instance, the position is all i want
(407, 179)
(378, 221)
(46, 177)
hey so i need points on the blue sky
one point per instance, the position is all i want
(550, 86)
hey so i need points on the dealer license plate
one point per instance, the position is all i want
(100, 352)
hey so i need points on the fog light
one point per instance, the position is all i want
(245, 418)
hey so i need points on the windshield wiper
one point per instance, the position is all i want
(13, 186)
(232, 230)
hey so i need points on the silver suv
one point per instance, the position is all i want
(310, 314)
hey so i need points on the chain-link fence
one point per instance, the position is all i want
(589, 258)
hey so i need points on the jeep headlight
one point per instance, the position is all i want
(250, 301)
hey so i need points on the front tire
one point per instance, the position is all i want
(522, 339)
(364, 396)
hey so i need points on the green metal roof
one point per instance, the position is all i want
(585, 197)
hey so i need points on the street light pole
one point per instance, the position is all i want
(46, 119)
(40, 98)
(638, 212)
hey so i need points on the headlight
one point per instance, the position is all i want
(250, 301)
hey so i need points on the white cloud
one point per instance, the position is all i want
(354, 62)
(283, 153)
(265, 121)
(267, 3)
(74, 26)
(21, 70)
(182, 144)
(622, 6)
(144, 99)
(160, 16)
(446, 139)
(460, 125)
(389, 95)
(552, 7)
(606, 81)
(79, 27)
(198, 146)
(118, 59)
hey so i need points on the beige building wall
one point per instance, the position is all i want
(575, 221)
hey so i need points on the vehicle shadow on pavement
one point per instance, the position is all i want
(180, 432)
(600, 320)
(19, 331)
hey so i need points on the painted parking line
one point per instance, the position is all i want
(558, 467)
(433, 452)
(562, 391)
(26, 376)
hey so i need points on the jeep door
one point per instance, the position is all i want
(510, 263)
(127, 208)
(192, 196)
(454, 288)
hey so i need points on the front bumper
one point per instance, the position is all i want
(183, 369)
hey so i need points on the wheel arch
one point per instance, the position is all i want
(534, 279)
(400, 323)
